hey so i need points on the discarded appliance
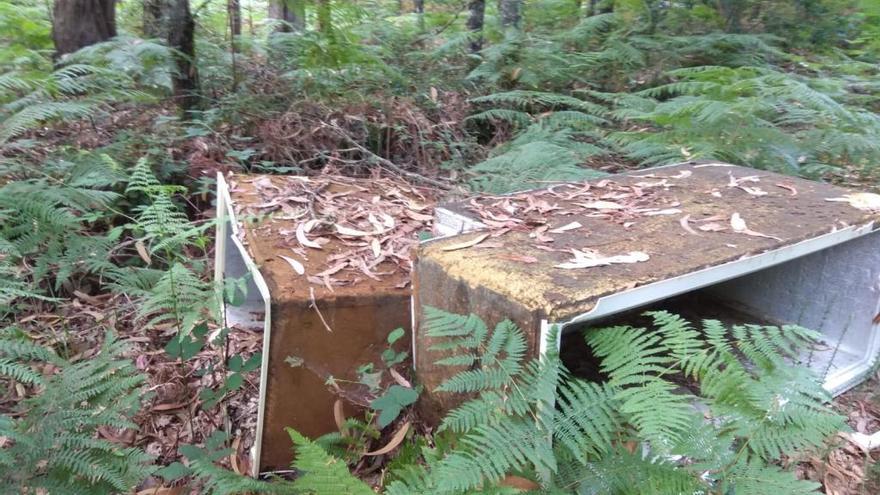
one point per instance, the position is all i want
(780, 249)
(327, 264)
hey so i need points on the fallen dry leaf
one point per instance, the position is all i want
(602, 205)
(296, 265)
(142, 251)
(589, 259)
(792, 191)
(342, 229)
(233, 456)
(396, 440)
(403, 382)
(418, 216)
(738, 224)
(466, 244)
(686, 224)
(539, 234)
(712, 227)
(169, 407)
(164, 490)
(754, 191)
(333, 269)
(339, 417)
(519, 483)
(667, 211)
(566, 227)
(862, 201)
(302, 239)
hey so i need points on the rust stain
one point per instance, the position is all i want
(310, 368)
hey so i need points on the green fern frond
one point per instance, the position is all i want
(56, 444)
(180, 297)
(752, 477)
(320, 473)
(625, 473)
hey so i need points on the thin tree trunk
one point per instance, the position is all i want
(477, 10)
(324, 14)
(80, 23)
(152, 19)
(292, 12)
(731, 12)
(420, 11)
(591, 8)
(325, 17)
(510, 13)
(233, 10)
(181, 37)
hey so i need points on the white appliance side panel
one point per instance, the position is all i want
(835, 291)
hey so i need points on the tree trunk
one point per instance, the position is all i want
(475, 23)
(510, 13)
(153, 21)
(591, 8)
(292, 12)
(731, 12)
(420, 11)
(181, 37)
(80, 23)
(233, 10)
(325, 17)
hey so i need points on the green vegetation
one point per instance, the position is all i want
(107, 159)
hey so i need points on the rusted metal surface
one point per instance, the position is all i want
(557, 294)
(680, 220)
(323, 326)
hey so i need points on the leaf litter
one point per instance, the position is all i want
(562, 209)
(345, 230)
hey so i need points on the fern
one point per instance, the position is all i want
(320, 473)
(179, 297)
(538, 155)
(54, 447)
(70, 92)
(48, 218)
(534, 419)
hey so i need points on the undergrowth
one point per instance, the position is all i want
(640, 431)
(784, 86)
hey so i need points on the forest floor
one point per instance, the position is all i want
(844, 468)
(173, 413)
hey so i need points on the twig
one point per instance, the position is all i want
(315, 305)
(388, 163)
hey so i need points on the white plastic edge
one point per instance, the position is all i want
(835, 383)
(226, 216)
(667, 288)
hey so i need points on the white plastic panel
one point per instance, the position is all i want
(835, 291)
(231, 260)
